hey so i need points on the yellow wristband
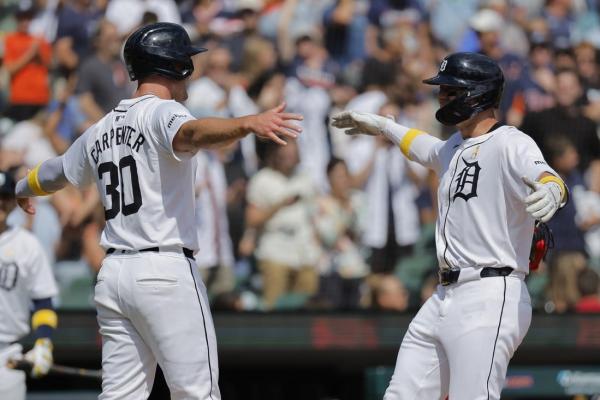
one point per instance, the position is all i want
(408, 139)
(558, 181)
(44, 317)
(34, 183)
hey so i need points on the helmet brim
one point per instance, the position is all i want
(445, 80)
(193, 50)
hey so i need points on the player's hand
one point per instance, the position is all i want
(40, 357)
(26, 204)
(355, 122)
(275, 124)
(544, 201)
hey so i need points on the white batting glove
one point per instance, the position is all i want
(355, 122)
(40, 357)
(544, 201)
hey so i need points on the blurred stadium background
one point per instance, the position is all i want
(321, 316)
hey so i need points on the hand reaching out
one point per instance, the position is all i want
(354, 122)
(275, 124)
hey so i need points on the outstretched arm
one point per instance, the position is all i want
(414, 144)
(218, 132)
(47, 178)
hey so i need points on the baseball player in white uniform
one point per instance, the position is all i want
(494, 183)
(151, 303)
(27, 286)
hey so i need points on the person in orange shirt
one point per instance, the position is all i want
(27, 59)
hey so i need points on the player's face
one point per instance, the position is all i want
(7, 204)
(179, 90)
(448, 93)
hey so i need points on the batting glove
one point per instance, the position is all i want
(355, 122)
(544, 201)
(40, 357)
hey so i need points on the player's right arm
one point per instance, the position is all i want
(415, 144)
(54, 174)
(209, 133)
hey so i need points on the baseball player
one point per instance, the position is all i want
(26, 283)
(151, 303)
(494, 183)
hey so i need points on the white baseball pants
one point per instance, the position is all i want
(12, 382)
(461, 340)
(152, 307)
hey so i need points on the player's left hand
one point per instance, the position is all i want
(544, 201)
(40, 357)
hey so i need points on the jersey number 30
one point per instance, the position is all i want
(117, 175)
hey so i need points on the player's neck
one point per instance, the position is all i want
(478, 125)
(3, 227)
(157, 89)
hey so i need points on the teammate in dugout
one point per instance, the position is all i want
(494, 183)
(26, 282)
(152, 305)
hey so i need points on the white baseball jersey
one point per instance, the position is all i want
(147, 189)
(482, 219)
(25, 275)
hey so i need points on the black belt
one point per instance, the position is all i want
(186, 252)
(448, 276)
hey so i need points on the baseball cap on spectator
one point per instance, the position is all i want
(486, 20)
(7, 184)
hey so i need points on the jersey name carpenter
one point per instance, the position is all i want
(122, 135)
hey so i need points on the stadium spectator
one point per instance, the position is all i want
(488, 26)
(27, 60)
(103, 79)
(208, 95)
(560, 19)
(248, 14)
(215, 260)
(588, 283)
(535, 91)
(127, 15)
(77, 20)
(279, 204)
(345, 24)
(568, 255)
(45, 21)
(339, 220)
(388, 293)
(391, 189)
(567, 117)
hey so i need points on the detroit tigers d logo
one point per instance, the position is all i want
(466, 181)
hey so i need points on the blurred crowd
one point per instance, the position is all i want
(330, 221)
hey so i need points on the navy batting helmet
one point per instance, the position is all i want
(162, 48)
(479, 76)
